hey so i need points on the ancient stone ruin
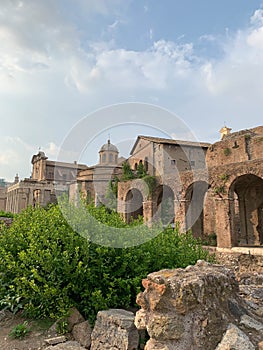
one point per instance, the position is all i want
(115, 330)
(197, 308)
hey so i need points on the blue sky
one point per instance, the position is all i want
(62, 60)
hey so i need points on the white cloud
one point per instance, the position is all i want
(255, 39)
(57, 76)
(52, 150)
(257, 18)
(119, 68)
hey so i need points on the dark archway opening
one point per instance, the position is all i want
(194, 208)
(246, 210)
(165, 205)
(134, 205)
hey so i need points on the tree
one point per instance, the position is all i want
(141, 172)
(127, 173)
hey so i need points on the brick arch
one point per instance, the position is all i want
(131, 195)
(190, 177)
(246, 209)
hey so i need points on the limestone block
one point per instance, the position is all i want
(235, 339)
(250, 322)
(70, 345)
(56, 340)
(82, 333)
(114, 329)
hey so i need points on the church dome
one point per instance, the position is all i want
(109, 147)
(108, 154)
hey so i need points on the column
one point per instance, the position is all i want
(224, 225)
(150, 213)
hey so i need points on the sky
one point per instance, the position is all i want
(62, 61)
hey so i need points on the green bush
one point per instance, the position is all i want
(20, 331)
(6, 214)
(48, 268)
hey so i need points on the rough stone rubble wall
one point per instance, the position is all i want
(196, 308)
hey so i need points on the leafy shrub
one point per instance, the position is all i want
(210, 240)
(20, 331)
(6, 214)
(141, 171)
(127, 173)
(49, 267)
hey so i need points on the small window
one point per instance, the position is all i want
(111, 158)
(104, 158)
(192, 163)
(64, 176)
(173, 161)
(235, 145)
(135, 166)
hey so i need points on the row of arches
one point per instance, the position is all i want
(245, 208)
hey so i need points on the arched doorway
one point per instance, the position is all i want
(134, 204)
(165, 204)
(194, 207)
(246, 210)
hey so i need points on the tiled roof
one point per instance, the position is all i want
(171, 142)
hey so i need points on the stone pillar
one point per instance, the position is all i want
(30, 196)
(179, 213)
(224, 227)
(149, 212)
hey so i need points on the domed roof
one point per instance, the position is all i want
(109, 147)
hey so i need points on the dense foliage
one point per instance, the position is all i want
(6, 214)
(46, 267)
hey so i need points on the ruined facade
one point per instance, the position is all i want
(223, 196)
(214, 189)
(162, 156)
(48, 179)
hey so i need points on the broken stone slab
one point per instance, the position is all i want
(55, 340)
(70, 345)
(250, 322)
(114, 329)
(235, 339)
(82, 333)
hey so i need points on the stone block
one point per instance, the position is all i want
(74, 318)
(82, 333)
(70, 345)
(114, 329)
(235, 339)
(55, 340)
